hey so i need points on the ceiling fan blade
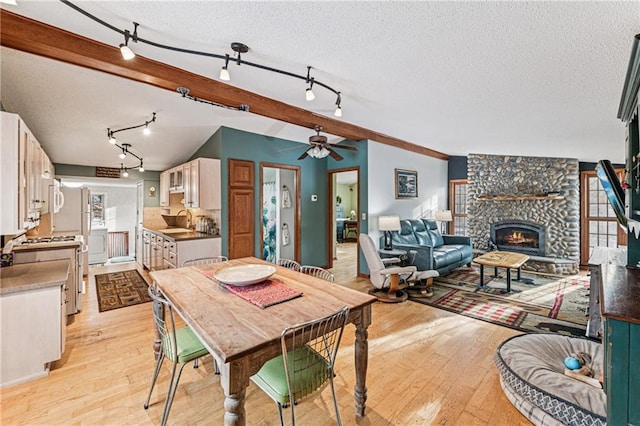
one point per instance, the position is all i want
(335, 155)
(349, 147)
(290, 148)
(304, 154)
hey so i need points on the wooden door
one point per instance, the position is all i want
(241, 209)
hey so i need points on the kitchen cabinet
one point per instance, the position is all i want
(167, 252)
(16, 176)
(33, 320)
(202, 186)
(146, 249)
(176, 179)
(164, 188)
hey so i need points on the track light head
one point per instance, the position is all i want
(125, 50)
(125, 174)
(112, 138)
(122, 155)
(224, 72)
(309, 95)
(146, 131)
(338, 112)
(141, 168)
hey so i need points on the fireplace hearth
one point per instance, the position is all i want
(519, 236)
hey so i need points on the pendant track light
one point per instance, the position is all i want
(224, 72)
(126, 147)
(237, 47)
(338, 112)
(125, 50)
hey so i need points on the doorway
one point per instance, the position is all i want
(280, 212)
(345, 222)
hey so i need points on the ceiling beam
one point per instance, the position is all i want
(27, 35)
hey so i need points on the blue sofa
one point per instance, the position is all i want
(433, 251)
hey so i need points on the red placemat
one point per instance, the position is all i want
(265, 294)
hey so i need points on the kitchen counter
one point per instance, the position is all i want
(182, 236)
(33, 276)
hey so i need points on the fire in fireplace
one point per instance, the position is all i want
(519, 236)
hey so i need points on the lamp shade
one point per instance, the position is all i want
(389, 223)
(443, 216)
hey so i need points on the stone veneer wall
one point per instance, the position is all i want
(494, 175)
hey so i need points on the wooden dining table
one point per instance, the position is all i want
(242, 337)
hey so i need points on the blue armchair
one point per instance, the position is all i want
(433, 251)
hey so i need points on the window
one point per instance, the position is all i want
(98, 209)
(458, 206)
(599, 224)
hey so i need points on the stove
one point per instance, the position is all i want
(53, 239)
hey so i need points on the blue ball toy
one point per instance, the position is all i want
(571, 363)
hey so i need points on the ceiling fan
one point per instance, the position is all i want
(320, 147)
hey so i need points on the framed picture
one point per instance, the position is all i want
(406, 183)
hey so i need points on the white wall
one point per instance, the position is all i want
(432, 185)
(120, 210)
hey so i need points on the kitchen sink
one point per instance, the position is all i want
(174, 230)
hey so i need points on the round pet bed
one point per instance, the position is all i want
(532, 376)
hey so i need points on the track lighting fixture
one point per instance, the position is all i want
(338, 112)
(309, 95)
(224, 72)
(184, 91)
(126, 147)
(125, 50)
(237, 47)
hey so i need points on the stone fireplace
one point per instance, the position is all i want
(519, 236)
(537, 197)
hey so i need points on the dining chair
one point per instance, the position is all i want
(318, 272)
(178, 345)
(204, 260)
(290, 264)
(308, 356)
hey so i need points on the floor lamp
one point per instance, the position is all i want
(443, 216)
(388, 224)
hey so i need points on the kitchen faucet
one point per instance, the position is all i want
(189, 217)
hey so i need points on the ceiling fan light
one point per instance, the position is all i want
(338, 112)
(309, 95)
(126, 52)
(323, 152)
(224, 74)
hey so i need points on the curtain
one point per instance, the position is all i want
(269, 210)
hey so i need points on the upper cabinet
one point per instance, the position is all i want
(20, 176)
(176, 182)
(202, 186)
(164, 188)
(198, 179)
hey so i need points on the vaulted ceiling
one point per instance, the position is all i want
(512, 78)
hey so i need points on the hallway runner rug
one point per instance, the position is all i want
(119, 289)
(539, 303)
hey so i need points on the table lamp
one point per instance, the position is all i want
(388, 224)
(443, 216)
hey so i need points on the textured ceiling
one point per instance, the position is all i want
(513, 78)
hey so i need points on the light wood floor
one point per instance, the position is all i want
(426, 367)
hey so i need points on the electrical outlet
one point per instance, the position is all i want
(314, 197)
(364, 216)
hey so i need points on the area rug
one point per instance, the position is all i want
(538, 303)
(119, 289)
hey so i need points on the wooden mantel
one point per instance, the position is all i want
(27, 35)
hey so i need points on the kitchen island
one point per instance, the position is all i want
(33, 319)
(170, 247)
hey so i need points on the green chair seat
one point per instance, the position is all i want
(189, 346)
(272, 377)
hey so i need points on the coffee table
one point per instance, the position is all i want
(501, 259)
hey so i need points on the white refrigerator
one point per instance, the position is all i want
(74, 218)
